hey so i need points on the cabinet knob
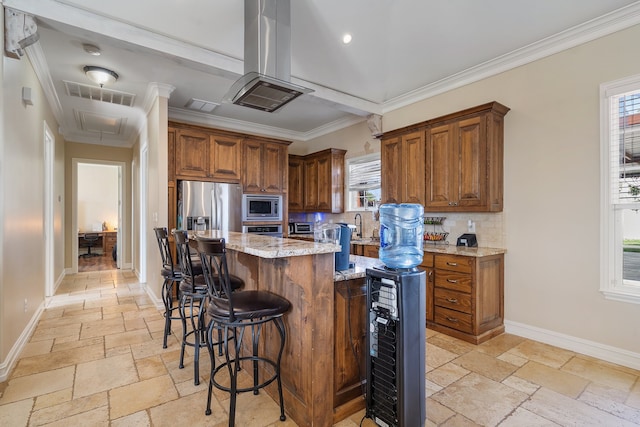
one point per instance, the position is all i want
(452, 264)
(452, 319)
(452, 300)
(452, 281)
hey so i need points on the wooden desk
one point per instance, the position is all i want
(106, 240)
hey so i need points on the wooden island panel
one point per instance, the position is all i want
(307, 361)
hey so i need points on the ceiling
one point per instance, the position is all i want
(402, 51)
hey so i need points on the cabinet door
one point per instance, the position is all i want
(472, 145)
(441, 167)
(325, 187)
(192, 154)
(296, 184)
(225, 158)
(311, 184)
(371, 251)
(412, 172)
(390, 159)
(273, 168)
(252, 157)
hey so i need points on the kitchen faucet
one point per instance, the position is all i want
(358, 224)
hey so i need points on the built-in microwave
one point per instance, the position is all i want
(261, 207)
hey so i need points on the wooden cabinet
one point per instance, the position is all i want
(198, 153)
(452, 163)
(350, 326)
(371, 251)
(296, 183)
(403, 168)
(319, 181)
(204, 155)
(264, 167)
(109, 241)
(467, 296)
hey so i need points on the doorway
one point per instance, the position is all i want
(97, 215)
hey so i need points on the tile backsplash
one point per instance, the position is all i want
(489, 226)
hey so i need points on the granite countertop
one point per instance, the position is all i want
(360, 269)
(268, 246)
(442, 248)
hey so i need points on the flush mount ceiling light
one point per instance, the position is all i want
(100, 75)
(346, 39)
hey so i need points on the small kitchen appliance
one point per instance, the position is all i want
(339, 234)
(302, 228)
(467, 239)
(261, 207)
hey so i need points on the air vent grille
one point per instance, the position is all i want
(99, 94)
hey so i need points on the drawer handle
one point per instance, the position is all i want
(452, 319)
(452, 300)
(452, 281)
(452, 264)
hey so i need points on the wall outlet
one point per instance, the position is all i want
(471, 226)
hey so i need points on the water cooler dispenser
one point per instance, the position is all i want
(395, 364)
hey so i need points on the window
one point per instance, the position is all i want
(620, 178)
(363, 182)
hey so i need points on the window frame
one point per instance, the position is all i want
(347, 191)
(612, 284)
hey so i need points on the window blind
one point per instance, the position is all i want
(624, 140)
(364, 175)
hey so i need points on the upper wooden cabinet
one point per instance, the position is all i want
(450, 164)
(296, 183)
(403, 168)
(205, 155)
(317, 182)
(264, 169)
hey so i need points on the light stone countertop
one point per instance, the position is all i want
(443, 249)
(360, 269)
(268, 246)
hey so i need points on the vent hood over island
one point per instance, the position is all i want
(265, 85)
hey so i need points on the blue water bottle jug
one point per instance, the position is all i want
(401, 232)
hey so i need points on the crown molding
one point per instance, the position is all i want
(607, 24)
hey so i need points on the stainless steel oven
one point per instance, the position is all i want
(267, 230)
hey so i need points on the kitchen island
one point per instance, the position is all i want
(303, 272)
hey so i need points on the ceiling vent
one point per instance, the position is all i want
(99, 94)
(265, 85)
(201, 105)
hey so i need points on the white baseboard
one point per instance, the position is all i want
(18, 346)
(590, 348)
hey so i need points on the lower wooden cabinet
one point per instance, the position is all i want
(350, 326)
(467, 296)
(110, 239)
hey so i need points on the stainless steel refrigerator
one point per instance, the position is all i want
(209, 206)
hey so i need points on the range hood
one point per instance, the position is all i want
(265, 85)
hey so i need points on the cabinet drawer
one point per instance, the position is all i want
(453, 300)
(455, 281)
(462, 264)
(453, 319)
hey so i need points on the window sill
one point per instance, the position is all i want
(623, 294)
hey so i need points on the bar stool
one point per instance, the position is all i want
(193, 296)
(171, 274)
(237, 311)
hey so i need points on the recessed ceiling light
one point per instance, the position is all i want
(346, 39)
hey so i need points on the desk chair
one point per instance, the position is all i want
(91, 239)
(238, 311)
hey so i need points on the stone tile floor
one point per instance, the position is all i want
(96, 359)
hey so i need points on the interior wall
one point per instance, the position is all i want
(88, 152)
(552, 186)
(97, 202)
(157, 197)
(22, 203)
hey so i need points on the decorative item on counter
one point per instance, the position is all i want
(105, 227)
(434, 236)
